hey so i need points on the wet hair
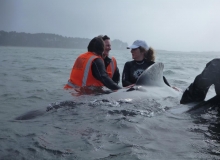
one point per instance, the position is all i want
(148, 54)
(105, 37)
(96, 45)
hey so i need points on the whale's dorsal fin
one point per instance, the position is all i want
(152, 76)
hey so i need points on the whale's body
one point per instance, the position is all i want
(150, 85)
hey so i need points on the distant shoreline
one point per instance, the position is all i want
(46, 40)
(52, 48)
(157, 51)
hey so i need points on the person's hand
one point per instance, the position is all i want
(130, 86)
(175, 88)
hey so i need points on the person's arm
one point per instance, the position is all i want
(99, 72)
(125, 75)
(166, 82)
(198, 90)
(116, 76)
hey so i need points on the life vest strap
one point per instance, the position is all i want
(72, 85)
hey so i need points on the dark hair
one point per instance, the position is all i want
(96, 45)
(105, 37)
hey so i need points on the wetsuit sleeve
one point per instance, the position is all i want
(116, 76)
(165, 81)
(198, 89)
(99, 72)
(125, 75)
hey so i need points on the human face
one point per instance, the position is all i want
(107, 48)
(137, 55)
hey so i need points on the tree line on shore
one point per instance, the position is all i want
(49, 40)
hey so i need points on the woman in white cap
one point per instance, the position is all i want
(144, 57)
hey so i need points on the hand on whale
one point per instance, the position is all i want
(149, 85)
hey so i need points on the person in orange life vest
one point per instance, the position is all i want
(110, 63)
(89, 68)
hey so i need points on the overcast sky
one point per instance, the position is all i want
(174, 25)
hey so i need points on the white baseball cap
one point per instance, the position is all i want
(138, 43)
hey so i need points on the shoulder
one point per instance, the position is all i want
(215, 62)
(129, 63)
(149, 62)
(98, 60)
(113, 58)
(107, 59)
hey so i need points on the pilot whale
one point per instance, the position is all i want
(149, 85)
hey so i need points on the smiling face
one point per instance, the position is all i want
(107, 48)
(137, 55)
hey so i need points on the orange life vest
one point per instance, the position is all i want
(81, 74)
(111, 67)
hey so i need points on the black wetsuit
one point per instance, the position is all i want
(99, 72)
(198, 89)
(116, 75)
(133, 69)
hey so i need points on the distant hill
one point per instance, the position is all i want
(49, 40)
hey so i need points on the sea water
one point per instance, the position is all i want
(87, 128)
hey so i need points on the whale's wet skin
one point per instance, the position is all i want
(149, 86)
(40, 120)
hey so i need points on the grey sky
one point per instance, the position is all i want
(175, 25)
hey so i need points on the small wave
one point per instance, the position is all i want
(51, 68)
(169, 72)
(3, 74)
(7, 95)
(39, 58)
(104, 102)
(57, 105)
(123, 112)
(29, 79)
(44, 144)
(10, 96)
(38, 90)
(29, 69)
(177, 67)
(180, 82)
(34, 97)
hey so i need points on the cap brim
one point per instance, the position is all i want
(132, 47)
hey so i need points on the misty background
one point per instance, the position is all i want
(183, 25)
